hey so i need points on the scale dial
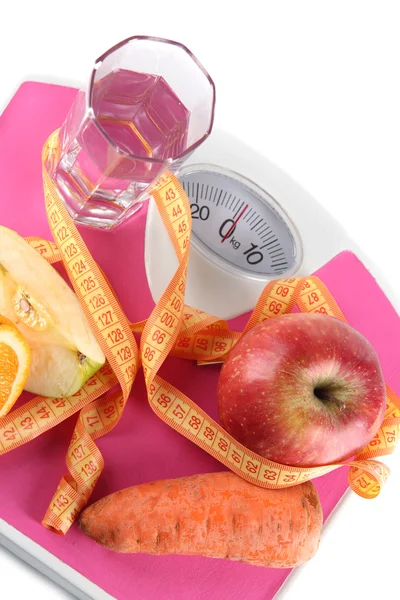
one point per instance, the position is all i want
(239, 226)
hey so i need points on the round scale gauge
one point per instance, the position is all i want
(251, 223)
(238, 225)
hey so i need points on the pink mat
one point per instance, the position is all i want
(142, 448)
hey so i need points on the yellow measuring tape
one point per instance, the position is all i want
(174, 329)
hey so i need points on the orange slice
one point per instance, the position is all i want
(15, 362)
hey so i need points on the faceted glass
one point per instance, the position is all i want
(148, 105)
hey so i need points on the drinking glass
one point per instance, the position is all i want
(149, 104)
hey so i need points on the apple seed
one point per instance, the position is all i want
(24, 305)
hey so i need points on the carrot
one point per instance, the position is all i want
(218, 515)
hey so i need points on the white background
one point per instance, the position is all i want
(312, 84)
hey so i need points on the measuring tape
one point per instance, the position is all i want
(173, 329)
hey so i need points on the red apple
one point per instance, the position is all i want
(302, 390)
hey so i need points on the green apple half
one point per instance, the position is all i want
(46, 311)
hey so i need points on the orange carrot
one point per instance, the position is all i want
(218, 515)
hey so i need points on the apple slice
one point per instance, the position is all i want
(46, 311)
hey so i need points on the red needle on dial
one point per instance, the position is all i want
(232, 227)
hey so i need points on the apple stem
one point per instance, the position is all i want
(324, 396)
